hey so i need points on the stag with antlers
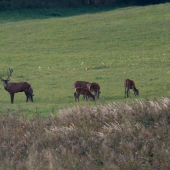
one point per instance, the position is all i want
(13, 88)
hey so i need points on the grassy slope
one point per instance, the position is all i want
(104, 47)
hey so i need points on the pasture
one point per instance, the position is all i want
(52, 48)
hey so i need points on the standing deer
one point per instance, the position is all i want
(85, 92)
(80, 84)
(129, 84)
(13, 88)
(95, 88)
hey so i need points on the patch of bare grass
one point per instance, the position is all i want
(116, 136)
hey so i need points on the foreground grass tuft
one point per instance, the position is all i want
(115, 136)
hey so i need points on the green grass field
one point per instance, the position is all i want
(51, 49)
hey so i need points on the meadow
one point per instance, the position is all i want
(53, 48)
(104, 46)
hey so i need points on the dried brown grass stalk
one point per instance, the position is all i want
(115, 136)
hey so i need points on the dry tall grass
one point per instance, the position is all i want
(116, 136)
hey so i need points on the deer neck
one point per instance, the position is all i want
(6, 86)
(135, 89)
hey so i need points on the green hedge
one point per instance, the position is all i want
(33, 4)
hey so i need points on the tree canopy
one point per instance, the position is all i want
(34, 4)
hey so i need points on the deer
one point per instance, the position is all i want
(95, 88)
(80, 84)
(85, 92)
(129, 84)
(13, 88)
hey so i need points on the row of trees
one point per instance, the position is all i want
(25, 4)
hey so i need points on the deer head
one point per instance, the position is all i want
(5, 81)
(136, 92)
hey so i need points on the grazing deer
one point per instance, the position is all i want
(80, 84)
(95, 88)
(85, 92)
(129, 84)
(13, 88)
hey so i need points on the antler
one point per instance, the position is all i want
(11, 70)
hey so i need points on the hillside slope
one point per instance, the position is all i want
(104, 47)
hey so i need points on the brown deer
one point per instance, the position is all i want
(13, 88)
(80, 84)
(85, 92)
(129, 84)
(95, 88)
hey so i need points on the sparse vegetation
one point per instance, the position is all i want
(115, 136)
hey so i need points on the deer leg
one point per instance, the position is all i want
(78, 96)
(75, 95)
(86, 97)
(98, 94)
(27, 96)
(94, 93)
(125, 92)
(12, 97)
(31, 96)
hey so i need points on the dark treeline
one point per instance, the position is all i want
(34, 4)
